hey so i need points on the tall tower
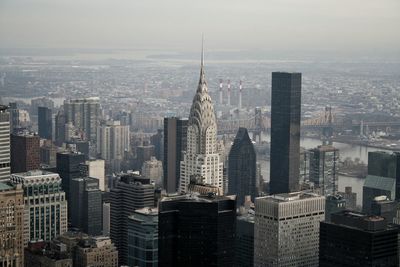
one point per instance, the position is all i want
(229, 92)
(242, 167)
(285, 132)
(5, 156)
(201, 156)
(240, 94)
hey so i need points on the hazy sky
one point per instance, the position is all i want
(178, 24)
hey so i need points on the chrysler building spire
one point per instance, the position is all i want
(201, 157)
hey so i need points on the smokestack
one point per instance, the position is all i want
(229, 92)
(220, 91)
(240, 94)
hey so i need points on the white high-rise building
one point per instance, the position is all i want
(201, 156)
(5, 156)
(286, 230)
(113, 140)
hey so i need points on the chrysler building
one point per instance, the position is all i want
(201, 157)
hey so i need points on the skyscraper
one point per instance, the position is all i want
(201, 156)
(175, 138)
(45, 122)
(86, 205)
(286, 229)
(244, 242)
(285, 132)
(5, 156)
(84, 114)
(131, 192)
(11, 225)
(68, 167)
(45, 208)
(25, 152)
(242, 167)
(60, 122)
(375, 186)
(324, 162)
(143, 238)
(356, 239)
(197, 231)
(113, 141)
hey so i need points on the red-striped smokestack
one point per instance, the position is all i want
(240, 94)
(221, 83)
(229, 92)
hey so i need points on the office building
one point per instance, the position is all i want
(143, 154)
(175, 138)
(324, 162)
(60, 121)
(11, 225)
(143, 238)
(48, 154)
(96, 251)
(95, 168)
(356, 239)
(334, 204)
(286, 229)
(153, 169)
(41, 102)
(86, 205)
(197, 230)
(25, 152)
(157, 141)
(285, 132)
(242, 168)
(375, 186)
(131, 192)
(45, 210)
(244, 242)
(113, 141)
(384, 207)
(381, 163)
(350, 197)
(5, 155)
(45, 123)
(68, 167)
(85, 115)
(106, 218)
(201, 156)
(40, 254)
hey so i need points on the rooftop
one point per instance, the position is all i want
(34, 173)
(287, 197)
(5, 186)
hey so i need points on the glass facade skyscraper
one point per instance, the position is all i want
(285, 132)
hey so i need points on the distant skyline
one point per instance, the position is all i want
(357, 26)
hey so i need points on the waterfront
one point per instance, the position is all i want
(345, 150)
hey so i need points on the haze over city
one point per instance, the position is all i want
(366, 28)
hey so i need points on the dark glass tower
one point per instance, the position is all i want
(131, 192)
(197, 231)
(86, 205)
(356, 239)
(242, 167)
(285, 132)
(45, 122)
(175, 133)
(68, 167)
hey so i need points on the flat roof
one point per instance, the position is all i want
(4, 186)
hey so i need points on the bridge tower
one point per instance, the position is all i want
(257, 124)
(327, 130)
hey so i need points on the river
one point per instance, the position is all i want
(345, 150)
